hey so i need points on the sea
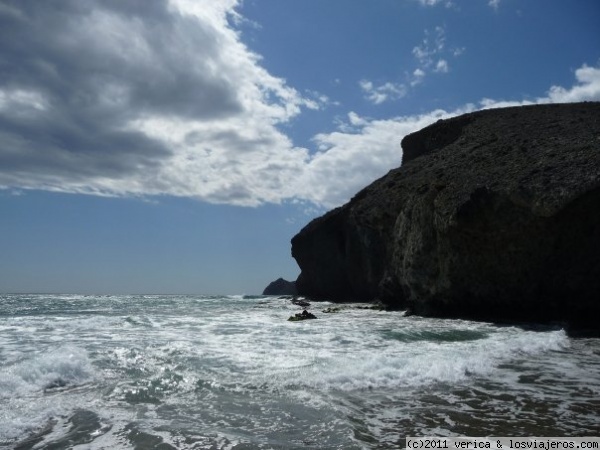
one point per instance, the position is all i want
(231, 372)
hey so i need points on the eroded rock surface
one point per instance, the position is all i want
(493, 215)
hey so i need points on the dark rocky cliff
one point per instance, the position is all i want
(493, 215)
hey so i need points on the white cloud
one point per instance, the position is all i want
(586, 89)
(22, 102)
(458, 51)
(137, 98)
(494, 4)
(348, 161)
(428, 56)
(432, 45)
(418, 73)
(100, 101)
(382, 93)
(356, 120)
(317, 101)
(447, 3)
(431, 56)
(417, 77)
(430, 53)
(441, 66)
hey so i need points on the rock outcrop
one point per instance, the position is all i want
(304, 315)
(281, 287)
(493, 215)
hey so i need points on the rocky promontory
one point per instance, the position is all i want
(281, 287)
(493, 215)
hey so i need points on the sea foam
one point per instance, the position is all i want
(212, 371)
(26, 388)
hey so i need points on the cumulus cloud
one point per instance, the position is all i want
(586, 89)
(163, 98)
(141, 97)
(349, 160)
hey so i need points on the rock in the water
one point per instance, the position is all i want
(281, 287)
(493, 215)
(300, 302)
(304, 315)
(374, 307)
(55, 384)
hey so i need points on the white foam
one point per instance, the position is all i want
(26, 388)
(204, 353)
(349, 351)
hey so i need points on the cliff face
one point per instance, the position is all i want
(493, 215)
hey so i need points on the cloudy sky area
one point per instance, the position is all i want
(177, 145)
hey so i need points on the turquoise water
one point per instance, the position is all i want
(229, 372)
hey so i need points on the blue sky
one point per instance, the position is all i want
(176, 146)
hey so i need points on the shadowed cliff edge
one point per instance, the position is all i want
(494, 215)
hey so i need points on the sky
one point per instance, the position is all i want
(176, 146)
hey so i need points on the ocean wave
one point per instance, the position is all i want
(411, 355)
(25, 387)
(185, 368)
(60, 367)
